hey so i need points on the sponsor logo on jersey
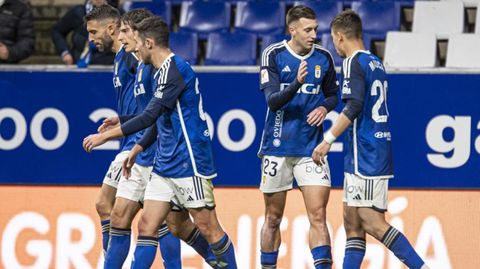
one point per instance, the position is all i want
(264, 76)
(386, 135)
(116, 82)
(286, 69)
(346, 88)
(318, 71)
(306, 88)
(139, 89)
(159, 91)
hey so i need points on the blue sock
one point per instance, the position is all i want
(105, 234)
(223, 250)
(118, 248)
(169, 248)
(322, 257)
(399, 245)
(144, 252)
(201, 246)
(269, 259)
(354, 252)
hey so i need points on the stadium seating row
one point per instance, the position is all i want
(268, 17)
(419, 50)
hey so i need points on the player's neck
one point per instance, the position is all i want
(159, 55)
(297, 48)
(353, 46)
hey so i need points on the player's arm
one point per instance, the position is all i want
(148, 138)
(353, 99)
(170, 91)
(330, 90)
(276, 99)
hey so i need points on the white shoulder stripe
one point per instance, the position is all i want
(324, 49)
(266, 53)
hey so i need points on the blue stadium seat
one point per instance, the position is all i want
(205, 17)
(325, 11)
(231, 49)
(327, 43)
(157, 7)
(270, 39)
(186, 45)
(378, 17)
(260, 18)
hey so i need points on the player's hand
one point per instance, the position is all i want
(93, 141)
(130, 160)
(302, 72)
(320, 153)
(67, 59)
(4, 53)
(316, 117)
(109, 123)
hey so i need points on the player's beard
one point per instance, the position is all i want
(107, 43)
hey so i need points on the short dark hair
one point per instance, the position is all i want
(135, 16)
(156, 28)
(349, 23)
(103, 12)
(298, 12)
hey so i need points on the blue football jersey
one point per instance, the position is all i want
(368, 140)
(143, 92)
(125, 65)
(184, 147)
(286, 131)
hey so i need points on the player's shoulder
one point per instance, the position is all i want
(323, 51)
(272, 50)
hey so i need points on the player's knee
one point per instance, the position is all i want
(119, 218)
(273, 221)
(147, 227)
(318, 217)
(103, 209)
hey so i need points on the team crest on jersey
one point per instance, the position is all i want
(318, 71)
(276, 142)
(264, 76)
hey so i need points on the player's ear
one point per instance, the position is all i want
(148, 43)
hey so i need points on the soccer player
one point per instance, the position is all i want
(183, 167)
(130, 191)
(299, 82)
(368, 159)
(102, 26)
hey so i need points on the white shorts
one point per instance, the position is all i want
(134, 187)
(114, 172)
(189, 192)
(361, 192)
(278, 173)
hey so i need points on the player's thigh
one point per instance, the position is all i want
(123, 212)
(134, 187)
(361, 192)
(180, 224)
(106, 196)
(352, 221)
(192, 192)
(274, 206)
(153, 215)
(114, 173)
(277, 174)
(307, 173)
(316, 200)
